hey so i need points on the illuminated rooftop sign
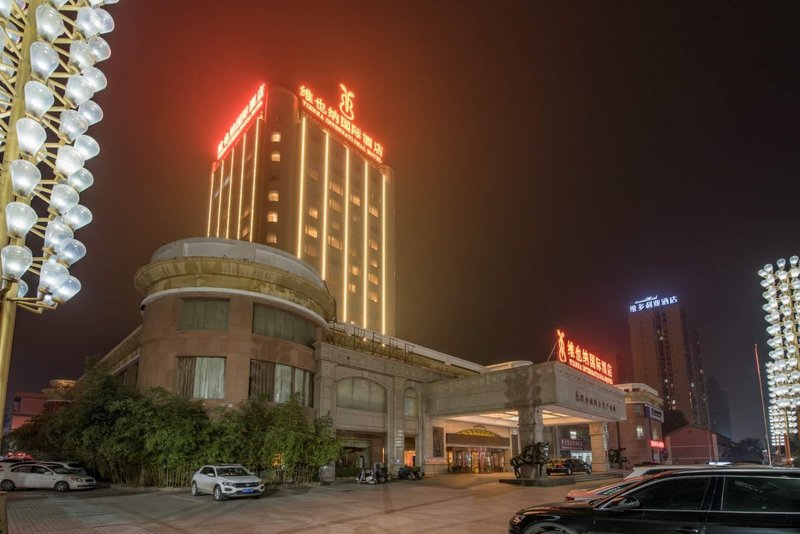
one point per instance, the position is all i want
(583, 360)
(341, 120)
(651, 302)
(252, 108)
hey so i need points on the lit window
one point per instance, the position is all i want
(335, 225)
(373, 262)
(313, 213)
(275, 156)
(246, 213)
(272, 237)
(313, 173)
(351, 288)
(373, 279)
(310, 250)
(356, 199)
(311, 230)
(335, 242)
(373, 211)
(373, 296)
(336, 188)
(639, 432)
(275, 137)
(245, 232)
(373, 244)
(273, 196)
(355, 270)
(272, 216)
(335, 205)
(573, 434)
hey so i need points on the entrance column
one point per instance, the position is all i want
(598, 432)
(531, 430)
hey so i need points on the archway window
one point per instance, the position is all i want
(360, 394)
(410, 404)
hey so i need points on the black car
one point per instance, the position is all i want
(567, 466)
(701, 501)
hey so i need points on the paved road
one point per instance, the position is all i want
(450, 503)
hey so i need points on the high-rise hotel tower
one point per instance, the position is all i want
(298, 174)
(666, 356)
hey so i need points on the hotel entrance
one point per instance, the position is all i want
(475, 460)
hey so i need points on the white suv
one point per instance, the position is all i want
(227, 480)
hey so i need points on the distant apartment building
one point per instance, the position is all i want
(640, 434)
(666, 355)
(299, 175)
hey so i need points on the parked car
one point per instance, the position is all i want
(75, 467)
(709, 501)
(39, 476)
(227, 480)
(567, 466)
(602, 492)
(645, 470)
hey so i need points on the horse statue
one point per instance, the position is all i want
(532, 454)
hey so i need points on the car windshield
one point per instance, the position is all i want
(232, 472)
(63, 470)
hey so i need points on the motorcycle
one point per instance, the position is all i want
(410, 473)
(366, 476)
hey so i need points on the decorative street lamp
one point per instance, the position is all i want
(782, 293)
(47, 80)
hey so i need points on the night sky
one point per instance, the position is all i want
(555, 161)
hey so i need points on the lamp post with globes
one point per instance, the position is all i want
(782, 293)
(47, 80)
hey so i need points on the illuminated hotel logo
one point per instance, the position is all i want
(583, 360)
(252, 108)
(651, 302)
(341, 121)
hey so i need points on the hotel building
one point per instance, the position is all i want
(299, 175)
(666, 356)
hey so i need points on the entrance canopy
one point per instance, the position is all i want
(563, 394)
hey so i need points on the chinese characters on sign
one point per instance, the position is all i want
(341, 121)
(593, 401)
(656, 444)
(252, 108)
(583, 360)
(651, 302)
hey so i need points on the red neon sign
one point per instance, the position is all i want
(656, 444)
(252, 108)
(341, 121)
(583, 360)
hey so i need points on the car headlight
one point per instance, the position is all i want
(229, 484)
(76, 479)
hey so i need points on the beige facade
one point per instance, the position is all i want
(224, 320)
(640, 434)
(666, 356)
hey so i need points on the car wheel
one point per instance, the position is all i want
(7, 485)
(536, 529)
(218, 495)
(569, 470)
(195, 491)
(61, 486)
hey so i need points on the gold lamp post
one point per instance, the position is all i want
(48, 76)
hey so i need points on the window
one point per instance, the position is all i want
(200, 377)
(310, 250)
(273, 196)
(639, 432)
(356, 199)
(573, 434)
(354, 270)
(761, 494)
(272, 216)
(262, 378)
(373, 211)
(673, 494)
(313, 174)
(274, 322)
(313, 213)
(275, 137)
(373, 244)
(351, 288)
(360, 394)
(204, 314)
(336, 226)
(336, 188)
(272, 237)
(311, 230)
(283, 383)
(335, 242)
(245, 232)
(335, 205)
(373, 279)
(410, 402)
(373, 296)
(373, 262)
(275, 156)
(274, 176)
(279, 382)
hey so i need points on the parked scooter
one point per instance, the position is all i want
(381, 472)
(410, 473)
(366, 476)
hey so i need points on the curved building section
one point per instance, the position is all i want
(224, 320)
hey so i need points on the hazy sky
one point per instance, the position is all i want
(555, 161)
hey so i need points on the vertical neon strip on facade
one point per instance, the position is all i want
(241, 189)
(345, 275)
(325, 211)
(366, 239)
(383, 255)
(230, 194)
(219, 201)
(302, 188)
(210, 204)
(255, 177)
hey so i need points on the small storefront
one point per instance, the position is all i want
(362, 449)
